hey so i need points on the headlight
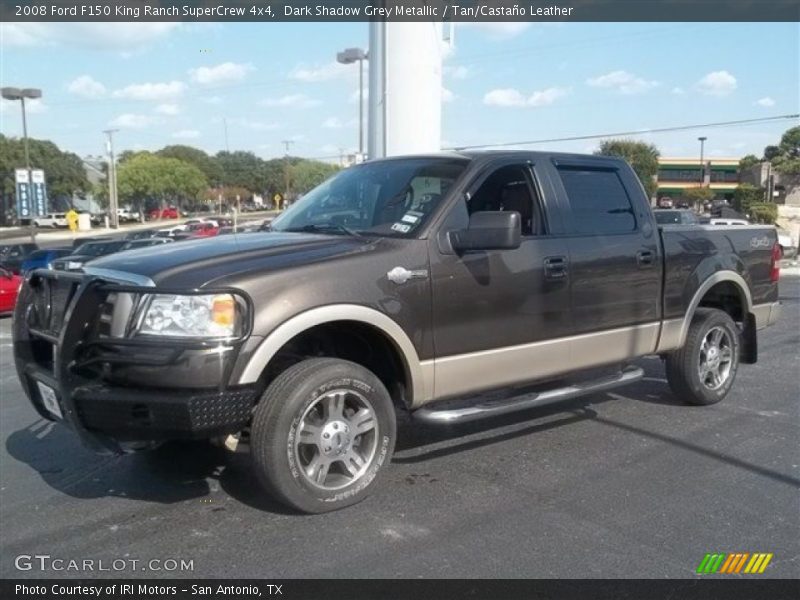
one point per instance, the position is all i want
(209, 316)
(74, 265)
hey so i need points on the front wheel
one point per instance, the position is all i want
(321, 433)
(703, 371)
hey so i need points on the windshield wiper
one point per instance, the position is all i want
(325, 227)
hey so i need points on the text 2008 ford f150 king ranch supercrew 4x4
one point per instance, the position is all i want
(396, 284)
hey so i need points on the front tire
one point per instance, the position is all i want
(321, 433)
(703, 371)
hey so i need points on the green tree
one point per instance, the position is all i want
(146, 176)
(790, 143)
(307, 174)
(698, 195)
(64, 172)
(641, 156)
(748, 161)
(194, 156)
(242, 169)
(746, 195)
(771, 152)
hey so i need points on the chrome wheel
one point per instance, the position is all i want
(336, 439)
(716, 358)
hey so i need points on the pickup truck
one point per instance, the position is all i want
(408, 284)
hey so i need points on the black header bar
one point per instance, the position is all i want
(278, 11)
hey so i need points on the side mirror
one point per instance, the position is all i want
(488, 230)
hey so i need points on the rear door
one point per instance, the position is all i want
(615, 262)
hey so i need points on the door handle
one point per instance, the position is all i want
(644, 258)
(555, 268)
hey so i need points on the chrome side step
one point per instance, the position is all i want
(483, 410)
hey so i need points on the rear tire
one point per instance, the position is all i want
(703, 371)
(321, 433)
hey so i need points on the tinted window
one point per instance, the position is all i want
(598, 201)
(667, 217)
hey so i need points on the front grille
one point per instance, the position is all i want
(50, 299)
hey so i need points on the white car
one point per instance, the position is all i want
(168, 232)
(787, 243)
(51, 220)
(729, 222)
(125, 214)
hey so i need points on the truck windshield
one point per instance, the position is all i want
(391, 198)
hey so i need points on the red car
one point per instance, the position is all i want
(9, 287)
(168, 213)
(200, 230)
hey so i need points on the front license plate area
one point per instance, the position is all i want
(49, 399)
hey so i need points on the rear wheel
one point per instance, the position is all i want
(703, 371)
(321, 433)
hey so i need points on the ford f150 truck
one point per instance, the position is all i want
(409, 284)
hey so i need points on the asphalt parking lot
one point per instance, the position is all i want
(624, 484)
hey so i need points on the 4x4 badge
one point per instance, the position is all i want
(400, 275)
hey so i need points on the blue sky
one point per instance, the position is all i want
(165, 83)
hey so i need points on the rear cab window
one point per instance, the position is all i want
(598, 200)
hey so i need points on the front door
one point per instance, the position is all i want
(497, 312)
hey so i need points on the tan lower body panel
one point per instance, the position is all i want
(475, 371)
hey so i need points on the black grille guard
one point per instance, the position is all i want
(70, 339)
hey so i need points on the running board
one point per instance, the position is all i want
(483, 410)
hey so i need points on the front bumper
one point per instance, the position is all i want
(112, 391)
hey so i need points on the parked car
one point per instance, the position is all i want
(78, 242)
(52, 220)
(13, 255)
(170, 231)
(43, 259)
(729, 222)
(397, 282)
(86, 252)
(673, 217)
(167, 213)
(126, 215)
(134, 244)
(665, 202)
(787, 243)
(204, 229)
(141, 234)
(9, 288)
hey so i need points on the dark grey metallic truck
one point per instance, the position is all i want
(406, 284)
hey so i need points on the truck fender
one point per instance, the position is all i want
(420, 373)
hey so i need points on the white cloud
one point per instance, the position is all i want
(457, 72)
(103, 36)
(332, 70)
(213, 100)
(332, 123)
(86, 87)
(131, 121)
(678, 91)
(499, 30)
(623, 82)
(186, 134)
(168, 109)
(291, 100)
(766, 102)
(227, 72)
(151, 91)
(447, 95)
(254, 125)
(510, 97)
(717, 83)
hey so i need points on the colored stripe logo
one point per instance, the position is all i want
(734, 562)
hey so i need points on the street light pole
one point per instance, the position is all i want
(112, 180)
(702, 140)
(348, 57)
(11, 93)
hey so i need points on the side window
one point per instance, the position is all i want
(598, 201)
(509, 188)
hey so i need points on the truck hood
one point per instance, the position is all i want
(197, 263)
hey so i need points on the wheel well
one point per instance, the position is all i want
(726, 296)
(349, 340)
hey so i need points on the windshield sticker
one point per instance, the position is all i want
(411, 216)
(401, 227)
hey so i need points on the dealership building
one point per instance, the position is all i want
(676, 175)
